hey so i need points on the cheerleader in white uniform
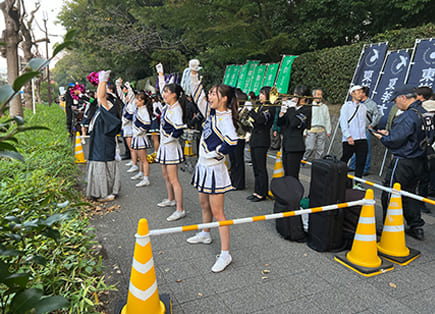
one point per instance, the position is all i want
(155, 122)
(129, 100)
(211, 177)
(140, 141)
(170, 153)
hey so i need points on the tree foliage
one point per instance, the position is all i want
(131, 36)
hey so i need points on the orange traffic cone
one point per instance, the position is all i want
(78, 152)
(143, 295)
(188, 152)
(392, 245)
(278, 170)
(363, 257)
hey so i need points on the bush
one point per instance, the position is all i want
(44, 235)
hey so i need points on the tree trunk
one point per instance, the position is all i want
(12, 37)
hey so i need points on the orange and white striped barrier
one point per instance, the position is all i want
(78, 151)
(143, 295)
(392, 245)
(384, 188)
(363, 257)
(238, 221)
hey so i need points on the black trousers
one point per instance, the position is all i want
(259, 160)
(407, 172)
(237, 168)
(360, 149)
(291, 162)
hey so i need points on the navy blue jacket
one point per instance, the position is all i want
(406, 134)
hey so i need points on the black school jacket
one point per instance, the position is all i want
(293, 126)
(263, 120)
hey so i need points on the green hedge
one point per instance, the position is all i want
(45, 186)
(332, 69)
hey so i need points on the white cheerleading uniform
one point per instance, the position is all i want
(127, 119)
(218, 139)
(141, 125)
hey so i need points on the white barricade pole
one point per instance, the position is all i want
(257, 218)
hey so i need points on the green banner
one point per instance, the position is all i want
(245, 75)
(257, 81)
(271, 72)
(228, 72)
(284, 74)
(234, 75)
(249, 75)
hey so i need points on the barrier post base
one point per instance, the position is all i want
(165, 300)
(402, 260)
(364, 271)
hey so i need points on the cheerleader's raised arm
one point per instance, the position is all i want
(198, 94)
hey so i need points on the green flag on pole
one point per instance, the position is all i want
(234, 75)
(250, 75)
(283, 79)
(257, 81)
(228, 72)
(272, 70)
(244, 81)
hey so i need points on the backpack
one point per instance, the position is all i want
(427, 121)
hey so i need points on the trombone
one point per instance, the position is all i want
(275, 99)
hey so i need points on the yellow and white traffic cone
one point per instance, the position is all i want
(188, 152)
(392, 245)
(143, 294)
(78, 151)
(278, 170)
(363, 257)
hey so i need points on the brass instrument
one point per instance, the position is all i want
(246, 125)
(275, 99)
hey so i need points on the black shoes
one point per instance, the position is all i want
(416, 233)
(424, 209)
(255, 198)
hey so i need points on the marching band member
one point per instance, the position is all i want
(170, 153)
(211, 177)
(140, 141)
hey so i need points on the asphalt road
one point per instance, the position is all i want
(268, 274)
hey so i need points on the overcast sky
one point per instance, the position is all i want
(51, 9)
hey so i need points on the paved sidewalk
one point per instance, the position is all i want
(268, 274)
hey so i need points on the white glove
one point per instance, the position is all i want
(283, 108)
(103, 76)
(213, 154)
(118, 82)
(159, 68)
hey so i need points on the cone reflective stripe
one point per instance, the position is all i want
(278, 170)
(392, 245)
(78, 151)
(188, 148)
(143, 295)
(363, 257)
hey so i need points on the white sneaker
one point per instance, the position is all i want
(166, 203)
(108, 198)
(138, 176)
(176, 215)
(221, 263)
(133, 168)
(129, 164)
(200, 238)
(142, 183)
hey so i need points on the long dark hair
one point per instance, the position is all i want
(266, 91)
(226, 90)
(148, 102)
(301, 90)
(181, 98)
(115, 100)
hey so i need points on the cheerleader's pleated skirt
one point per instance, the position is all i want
(140, 142)
(127, 131)
(212, 179)
(170, 154)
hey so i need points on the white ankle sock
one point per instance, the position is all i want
(204, 233)
(225, 253)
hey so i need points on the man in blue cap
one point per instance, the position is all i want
(408, 163)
